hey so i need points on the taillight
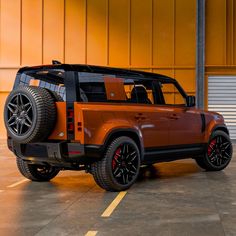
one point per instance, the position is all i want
(70, 120)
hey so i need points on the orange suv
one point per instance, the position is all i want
(108, 122)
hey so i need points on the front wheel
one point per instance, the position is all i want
(36, 172)
(218, 152)
(119, 169)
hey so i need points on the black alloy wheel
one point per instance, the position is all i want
(20, 115)
(125, 163)
(218, 154)
(29, 114)
(219, 151)
(119, 168)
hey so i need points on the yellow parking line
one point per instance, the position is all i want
(91, 233)
(114, 204)
(18, 183)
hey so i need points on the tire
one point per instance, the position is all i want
(56, 97)
(29, 114)
(119, 168)
(36, 172)
(218, 154)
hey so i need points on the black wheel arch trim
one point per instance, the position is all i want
(222, 127)
(121, 132)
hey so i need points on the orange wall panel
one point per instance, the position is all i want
(75, 31)
(163, 32)
(31, 32)
(185, 32)
(10, 23)
(215, 32)
(118, 33)
(97, 32)
(53, 30)
(141, 33)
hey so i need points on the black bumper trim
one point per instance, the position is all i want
(62, 153)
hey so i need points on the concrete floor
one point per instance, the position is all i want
(174, 198)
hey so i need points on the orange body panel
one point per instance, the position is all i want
(155, 125)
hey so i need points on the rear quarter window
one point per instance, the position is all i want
(49, 79)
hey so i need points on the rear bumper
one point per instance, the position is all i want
(61, 154)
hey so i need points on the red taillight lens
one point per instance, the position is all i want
(70, 113)
(70, 120)
(70, 126)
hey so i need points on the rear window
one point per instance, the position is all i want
(50, 79)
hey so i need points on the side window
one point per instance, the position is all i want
(171, 94)
(141, 91)
(104, 88)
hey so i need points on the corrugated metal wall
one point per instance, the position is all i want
(151, 35)
(222, 97)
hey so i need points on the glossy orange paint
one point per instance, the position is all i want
(156, 125)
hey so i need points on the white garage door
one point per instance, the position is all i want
(222, 99)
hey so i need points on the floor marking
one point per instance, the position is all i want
(18, 183)
(114, 204)
(91, 233)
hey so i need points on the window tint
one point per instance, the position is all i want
(50, 79)
(105, 88)
(142, 92)
(171, 94)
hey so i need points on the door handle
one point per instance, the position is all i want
(140, 116)
(174, 117)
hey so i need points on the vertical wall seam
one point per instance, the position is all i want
(64, 33)
(232, 32)
(42, 31)
(107, 18)
(129, 32)
(21, 32)
(0, 32)
(152, 29)
(225, 46)
(174, 34)
(86, 31)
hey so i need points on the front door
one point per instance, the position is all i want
(185, 124)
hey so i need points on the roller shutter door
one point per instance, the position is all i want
(222, 99)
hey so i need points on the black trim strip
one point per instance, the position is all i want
(170, 153)
(203, 118)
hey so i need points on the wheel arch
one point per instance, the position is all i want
(131, 133)
(221, 128)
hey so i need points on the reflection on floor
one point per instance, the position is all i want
(176, 198)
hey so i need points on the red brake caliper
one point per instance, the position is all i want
(211, 146)
(116, 156)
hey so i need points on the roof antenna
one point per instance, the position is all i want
(55, 62)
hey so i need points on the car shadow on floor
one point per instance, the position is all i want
(168, 170)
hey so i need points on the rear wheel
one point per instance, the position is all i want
(119, 169)
(218, 154)
(36, 172)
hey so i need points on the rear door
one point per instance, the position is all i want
(152, 120)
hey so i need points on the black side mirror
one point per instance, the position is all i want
(191, 101)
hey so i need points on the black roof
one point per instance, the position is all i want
(96, 69)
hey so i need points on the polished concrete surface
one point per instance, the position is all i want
(176, 198)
